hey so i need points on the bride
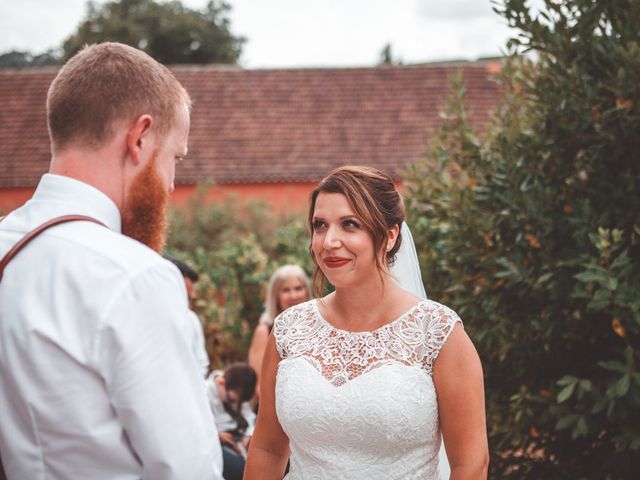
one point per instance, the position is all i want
(364, 382)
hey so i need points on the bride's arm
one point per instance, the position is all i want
(269, 448)
(256, 351)
(457, 374)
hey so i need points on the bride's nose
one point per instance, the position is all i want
(331, 238)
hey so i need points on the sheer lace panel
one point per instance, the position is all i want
(413, 339)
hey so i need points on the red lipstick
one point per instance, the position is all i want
(335, 262)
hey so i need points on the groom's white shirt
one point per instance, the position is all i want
(96, 378)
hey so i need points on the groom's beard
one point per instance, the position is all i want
(144, 214)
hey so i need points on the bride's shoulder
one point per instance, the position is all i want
(437, 315)
(294, 328)
(297, 312)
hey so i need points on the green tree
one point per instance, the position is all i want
(532, 232)
(387, 58)
(169, 32)
(235, 246)
(23, 59)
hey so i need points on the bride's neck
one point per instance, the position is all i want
(363, 304)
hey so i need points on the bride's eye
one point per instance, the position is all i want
(350, 224)
(317, 225)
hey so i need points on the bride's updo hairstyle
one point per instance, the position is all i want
(375, 201)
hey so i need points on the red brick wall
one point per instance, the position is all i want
(283, 197)
(11, 198)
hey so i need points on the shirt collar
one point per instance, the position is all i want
(66, 195)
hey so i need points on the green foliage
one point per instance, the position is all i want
(386, 56)
(20, 59)
(168, 31)
(235, 246)
(532, 232)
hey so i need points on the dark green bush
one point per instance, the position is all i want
(532, 232)
(235, 246)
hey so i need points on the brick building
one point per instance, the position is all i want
(270, 134)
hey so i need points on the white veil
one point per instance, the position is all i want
(406, 271)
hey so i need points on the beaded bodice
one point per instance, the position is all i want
(361, 404)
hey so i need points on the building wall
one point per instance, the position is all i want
(11, 198)
(286, 198)
(283, 197)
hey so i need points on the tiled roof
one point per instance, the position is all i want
(253, 126)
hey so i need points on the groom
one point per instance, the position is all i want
(96, 380)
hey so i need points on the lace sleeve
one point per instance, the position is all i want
(279, 333)
(295, 330)
(441, 320)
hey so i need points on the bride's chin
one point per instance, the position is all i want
(340, 283)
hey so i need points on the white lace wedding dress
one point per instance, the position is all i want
(360, 405)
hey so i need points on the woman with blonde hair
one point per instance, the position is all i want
(364, 382)
(288, 286)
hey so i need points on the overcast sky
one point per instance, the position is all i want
(302, 33)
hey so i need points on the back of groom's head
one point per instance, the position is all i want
(106, 84)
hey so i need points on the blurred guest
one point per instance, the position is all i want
(193, 330)
(288, 286)
(229, 393)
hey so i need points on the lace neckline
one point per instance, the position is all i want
(402, 316)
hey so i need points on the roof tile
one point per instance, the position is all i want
(283, 125)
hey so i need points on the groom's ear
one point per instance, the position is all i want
(139, 142)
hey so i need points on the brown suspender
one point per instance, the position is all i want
(37, 231)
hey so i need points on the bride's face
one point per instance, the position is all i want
(341, 245)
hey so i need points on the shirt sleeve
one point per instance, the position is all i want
(153, 382)
(215, 404)
(197, 342)
(250, 416)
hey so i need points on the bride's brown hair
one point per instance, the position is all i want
(373, 197)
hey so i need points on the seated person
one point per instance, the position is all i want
(229, 393)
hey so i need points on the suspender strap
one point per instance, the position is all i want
(37, 231)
